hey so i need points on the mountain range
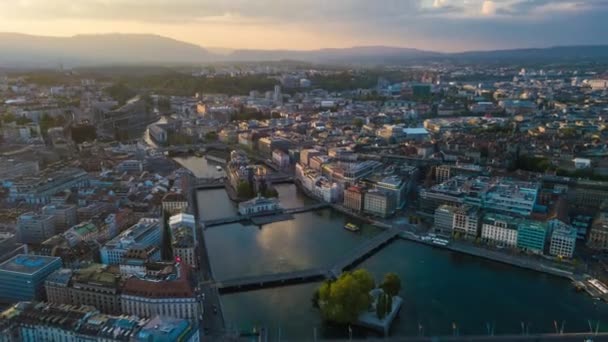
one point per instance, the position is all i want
(27, 51)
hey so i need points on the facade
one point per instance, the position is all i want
(34, 229)
(466, 221)
(96, 286)
(147, 232)
(353, 198)
(168, 293)
(531, 236)
(499, 229)
(174, 203)
(598, 234)
(40, 188)
(22, 277)
(39, 321)
(379, 203)
(444, 218)
(64, 216)
(183, 238)
(563, 239)
(281, 159)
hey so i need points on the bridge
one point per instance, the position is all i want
(333, 271)
(241, 218)
(209, 183)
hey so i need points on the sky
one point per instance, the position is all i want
(440, 25)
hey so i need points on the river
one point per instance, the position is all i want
(441, 289)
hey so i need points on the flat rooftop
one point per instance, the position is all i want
(27, 264)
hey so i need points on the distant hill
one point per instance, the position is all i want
(550, 53)
(26, 51)
(19, 50)
(360, 54)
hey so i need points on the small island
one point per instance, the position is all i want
(354, 299)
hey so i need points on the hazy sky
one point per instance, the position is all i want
(444, 25)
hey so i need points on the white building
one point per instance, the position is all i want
(499, 229)
(258, 205)
(563, 239)
(145, 233)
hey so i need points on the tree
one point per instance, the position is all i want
(271, 192)
(243, 190)
(358, 122)
(391, 284)
(342, 300)
(211, 136)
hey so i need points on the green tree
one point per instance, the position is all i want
(271, 192)
(358, 122)
(389, 303)
(211, 136)
(243, 190)
(391, 284)
(342, 300)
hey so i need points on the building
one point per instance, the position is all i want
(64, 216)
(563, 239)
(499, 229)
(40, 188)
(34, 228)
(169, 292)
(183, 238)
(466, 222)
(165, 329)
(598, 234)
(97, 286)
(444, 219)
(174, 203)
(531, 236)
(353, 198)
(39, 321)
(281, 159)
(57, 286)
(259, 205)
(147, 232)
(379, 203)
(22, 277)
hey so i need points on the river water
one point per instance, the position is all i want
(441, 289)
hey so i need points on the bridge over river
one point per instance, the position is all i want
(331, 272)
(241, 218)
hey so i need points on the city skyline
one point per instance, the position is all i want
(438, 25)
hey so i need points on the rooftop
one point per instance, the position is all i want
(27, 264)
(161, 329)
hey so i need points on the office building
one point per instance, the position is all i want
(379, 203)
(22, 277)
(64, 216)
(147, 232)
(466, 221)
(168, 292)
(531, 236)
(443, 219)
(563, 239)
(499, 229)
(34, 228)
(353, 198)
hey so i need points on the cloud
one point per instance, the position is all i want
(431, 24)
(488, 7)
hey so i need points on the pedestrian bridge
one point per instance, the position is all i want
(345, 263)
(209, 183)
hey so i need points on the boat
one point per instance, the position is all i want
(219, 168)
(351, 227)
